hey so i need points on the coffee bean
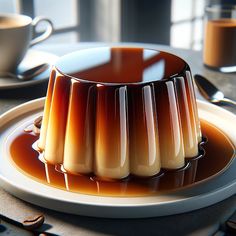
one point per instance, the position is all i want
(38, 122)
(33, 222)
(231, 226)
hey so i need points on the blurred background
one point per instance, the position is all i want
(178, 23)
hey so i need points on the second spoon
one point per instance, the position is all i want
(210, 92)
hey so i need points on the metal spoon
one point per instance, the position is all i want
(211, 92)
(28, 74)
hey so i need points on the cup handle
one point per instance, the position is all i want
(45, 34)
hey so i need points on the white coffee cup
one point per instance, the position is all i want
(16, 36)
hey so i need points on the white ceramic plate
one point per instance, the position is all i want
(32, 58)
(198, 196)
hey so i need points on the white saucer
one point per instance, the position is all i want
(32, 58)
(198, 196)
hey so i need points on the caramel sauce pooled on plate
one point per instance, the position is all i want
(219, 153)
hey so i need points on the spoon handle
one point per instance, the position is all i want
(229, 102)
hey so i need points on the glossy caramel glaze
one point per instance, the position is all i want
(136, 105)
(219, 153)
(120, 65)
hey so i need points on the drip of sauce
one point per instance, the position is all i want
(219, 153)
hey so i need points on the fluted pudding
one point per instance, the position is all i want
(115, 111)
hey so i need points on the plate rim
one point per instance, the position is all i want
(38, 104)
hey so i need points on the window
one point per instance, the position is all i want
(102, 20)
(187, 23)
(65, 18)
(63, 13)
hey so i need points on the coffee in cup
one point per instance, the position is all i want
(16, 36)
(220, 38)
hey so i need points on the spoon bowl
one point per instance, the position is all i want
(210, 92)
(28, 74)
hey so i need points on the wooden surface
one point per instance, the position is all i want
(201, 222)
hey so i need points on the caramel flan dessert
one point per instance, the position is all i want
(115, 112)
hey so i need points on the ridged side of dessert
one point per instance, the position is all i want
(128, 127)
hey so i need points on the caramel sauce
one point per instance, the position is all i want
(120, 65)
(219, 152)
